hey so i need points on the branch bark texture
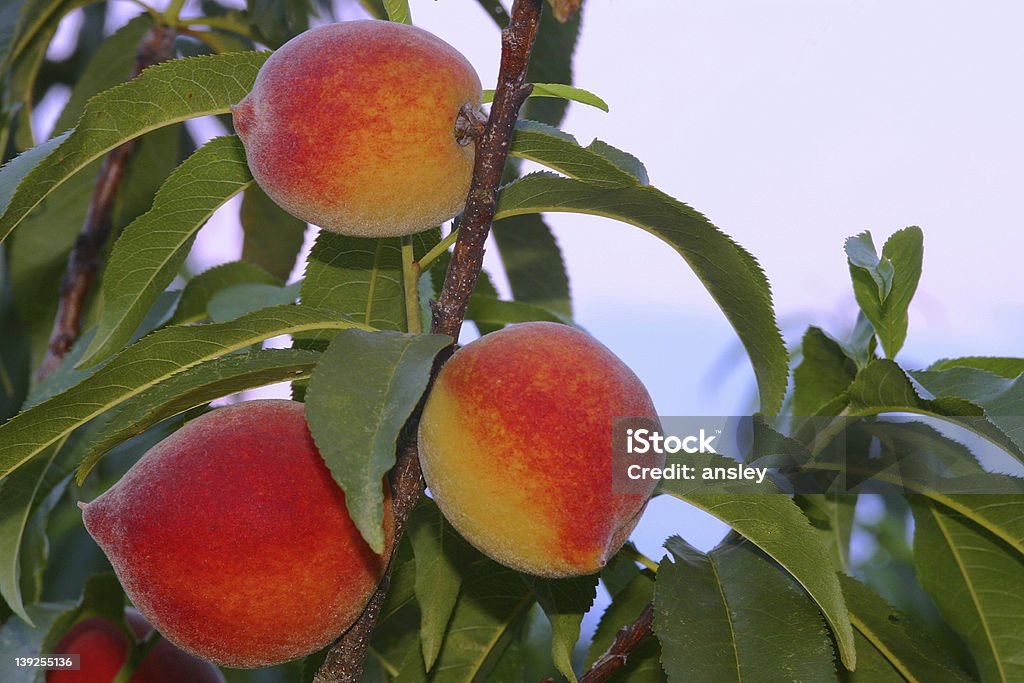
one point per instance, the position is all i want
(85, 259)
(344, 662)
(627, 640)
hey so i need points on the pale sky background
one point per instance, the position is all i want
(792, 125)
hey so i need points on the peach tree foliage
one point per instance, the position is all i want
(777, 599)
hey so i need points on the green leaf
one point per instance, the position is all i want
(277, 21)
(163, 95)
(398, 11)
(564, 601)
(39, 257)
(20, 639)
(729, 272)
(374, 380)
(533, 262)
(531, 257)
(9, 15)
(32, 16)
(67, 375)
(1002, 398)
(15, 170)
(22, 78)
(1009, 368)
(510, 665)
(624, 160)
(40, 247)
(824, 373)
(489, 310)
(141, 367)
(992, 501)
(152, 249)
(198, 292)
(488, 615)
(551, 62)
(442, 557)
(154, 157)
(42, 242)
(18, 493)
(832, 515)
(192, 388)
(561, 91)
(860, 251)
(620, 570)
(883, 387)
(496, 11)
(102, 596)
(884, 286)
(900, 643)
(731, 615)
(644, 663)
(862, 344)
(559, 151)
(396, 635)
(237, 300)
(14, 353)
(360, 277)
(110, 65)
(273, 237)
(774, 523)
(976, 582)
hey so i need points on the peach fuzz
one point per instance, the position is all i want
(351, 126)
(103, 647)
(231, 537)
(516, 447)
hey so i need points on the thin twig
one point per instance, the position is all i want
(628, 639)
(411, 282)
(84, 261)
(344, 663)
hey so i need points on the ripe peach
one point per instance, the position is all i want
(516, 446)
(103, 648)
(352, 127)
(232, 538)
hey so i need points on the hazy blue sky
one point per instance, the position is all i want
(791, 125)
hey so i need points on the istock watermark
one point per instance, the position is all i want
(830, 455)
(644, 440)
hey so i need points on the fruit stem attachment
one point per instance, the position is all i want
(150, 10)
(470, 124)
(222, 23)
(438, 249)
(411, 280)
(344, 662)
(173, 11)
(84, 261)
(630, 551)
(137, 653)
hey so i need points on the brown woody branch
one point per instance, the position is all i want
(344, 662)
(85, 259)
(627, 640)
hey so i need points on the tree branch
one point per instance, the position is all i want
(627, 640)
(344, 662)
(85, 259)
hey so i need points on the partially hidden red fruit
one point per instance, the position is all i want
(232, 538)
(103, 647)
(352, 127)
(516, 446)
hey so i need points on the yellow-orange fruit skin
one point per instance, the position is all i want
(516, 446)
(232, 539)
(351, 126)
